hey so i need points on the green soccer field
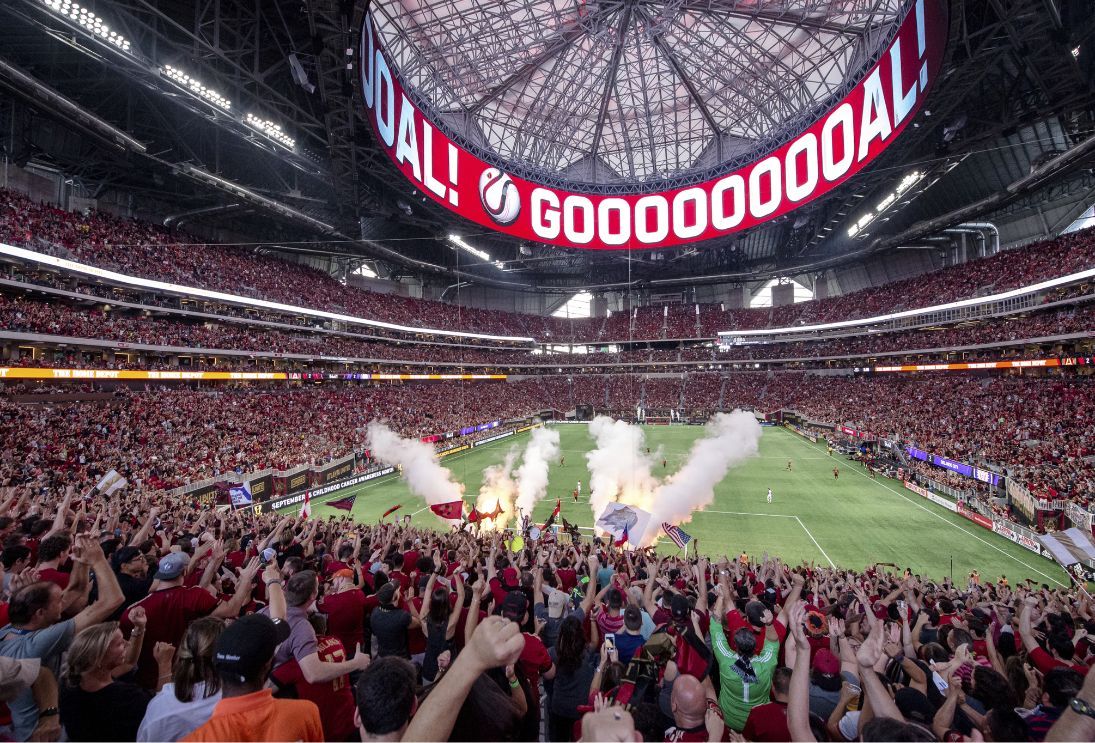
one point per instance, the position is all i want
(849, 522)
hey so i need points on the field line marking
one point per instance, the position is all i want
(746, 513)
(940, 517)
(811, 536)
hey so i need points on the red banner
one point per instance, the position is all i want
(838, 145)
(974, 517)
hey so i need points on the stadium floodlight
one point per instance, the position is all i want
(480, 254)
(92, 23)
(195, 87)
(271, 130)
(887, 201)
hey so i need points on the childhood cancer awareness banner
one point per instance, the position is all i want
(839, 144)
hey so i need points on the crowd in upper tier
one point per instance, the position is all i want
(147, 619)
(1041, 429)
(148, 251)
(47, 316)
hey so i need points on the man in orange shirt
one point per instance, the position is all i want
(243, 656)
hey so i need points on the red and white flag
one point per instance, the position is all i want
(453, 510)
(306, 507)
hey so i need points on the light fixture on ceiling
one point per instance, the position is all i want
(196, 87)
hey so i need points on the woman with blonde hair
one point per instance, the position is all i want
(186, 703)
(94, 704)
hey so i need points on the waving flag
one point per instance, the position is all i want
(390, 511)
(474, 516)
(453, 510)
(554, 514)
(306, 507)
(344, 504)
(623, 537)
(677, 534)
(495, 513)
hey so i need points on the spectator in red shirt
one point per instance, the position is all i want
(52, 555)
(334, 697)
(345, 607)
(768, 722)
(171, 606)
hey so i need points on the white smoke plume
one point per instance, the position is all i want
(728, 440)
(532, 475)
(498, 490)
(421, 471)
(620, 470)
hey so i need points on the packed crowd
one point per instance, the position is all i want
(301, 350)
(1039, 430)
(149, 251)
(141, 619)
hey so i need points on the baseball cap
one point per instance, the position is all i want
(514, 606)
(826, 663)
(171, 566)
(557, 602)
(124, 555)
(248, 644)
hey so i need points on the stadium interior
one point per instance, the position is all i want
(547, 370)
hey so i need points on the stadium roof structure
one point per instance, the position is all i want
(629, 91)
(593, 94)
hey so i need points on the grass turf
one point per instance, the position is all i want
(850, 522)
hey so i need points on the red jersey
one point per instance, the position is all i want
(169, 613)
(334, 698)
(568, 579)
(534, 660)
(53, 575)
(767, 722)
(345, 617)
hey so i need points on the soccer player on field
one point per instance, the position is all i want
(769, 495)
(836, 473)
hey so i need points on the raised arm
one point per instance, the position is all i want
(496, 642)
(798, 705)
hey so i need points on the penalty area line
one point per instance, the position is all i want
(945, 521)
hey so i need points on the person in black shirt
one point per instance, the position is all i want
(390, 622)
(95, 705)
(131, 567)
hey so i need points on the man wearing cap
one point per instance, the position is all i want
(390, 622)
(171, 606)
(243, 657)
(131, 567)
(825, 683)
(344, 605)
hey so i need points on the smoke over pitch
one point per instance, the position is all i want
(420, 469)
(620, 469)
(518, 492)
(532, 476)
